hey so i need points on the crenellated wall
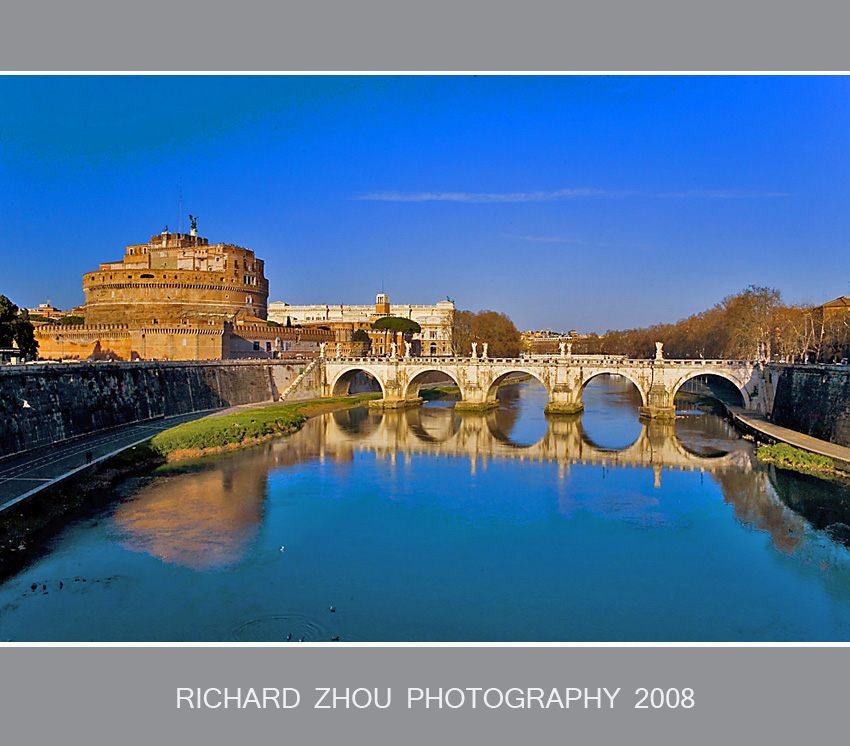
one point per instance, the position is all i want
(43, 404)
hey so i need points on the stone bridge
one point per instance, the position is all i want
(564, 378)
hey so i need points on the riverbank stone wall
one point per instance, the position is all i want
(44, 404)
(815, 400)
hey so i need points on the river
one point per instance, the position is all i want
(427, 525)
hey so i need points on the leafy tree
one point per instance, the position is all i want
(496, 329)
(397, 324)
(16, 328)
(750, 321)
(72, 320)
(360, 336)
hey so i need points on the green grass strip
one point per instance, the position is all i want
(789, 457)
(262, 422)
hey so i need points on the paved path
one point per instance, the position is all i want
(24, 475)
(757, 422)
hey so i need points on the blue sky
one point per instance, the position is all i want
(567, 202)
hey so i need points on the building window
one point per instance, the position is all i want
(256, 346)
(268, 346)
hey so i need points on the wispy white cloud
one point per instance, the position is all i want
(557, 195)
(550, 239)
(580, 242)
(724, 194)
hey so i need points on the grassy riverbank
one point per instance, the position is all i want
(438, 393)
(788, 457)
(218, 434)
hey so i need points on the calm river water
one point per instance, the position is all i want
(431, 526)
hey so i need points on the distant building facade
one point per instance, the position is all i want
(46, 311)
(436, 322)
(549, 343)
(178, 298)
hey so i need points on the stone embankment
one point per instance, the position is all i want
(813, 400)
(45, 404)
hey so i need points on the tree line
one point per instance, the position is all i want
(753, 324)
(496, 329)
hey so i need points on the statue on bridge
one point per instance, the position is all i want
(394, 350)
(322, 346)
(484, 351)
(475, 349)
(407, 347)
(659, 350)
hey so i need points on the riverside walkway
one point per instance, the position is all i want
(25, 475)
(760, 425)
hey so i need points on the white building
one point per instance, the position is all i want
(436, 320)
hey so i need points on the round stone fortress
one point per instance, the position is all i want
(177, 278)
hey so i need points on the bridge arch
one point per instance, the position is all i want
(613, 372)
(718, 374)
(418, 378)
(494, 386)
(340, 385)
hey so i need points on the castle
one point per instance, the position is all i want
(177, 279)
(178, 298)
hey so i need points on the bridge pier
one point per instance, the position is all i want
(562, 400)
(394, 393)
(659, 403)
(474, 399)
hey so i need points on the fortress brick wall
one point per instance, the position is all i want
(123, 342)
(176, 342)
(44, 404)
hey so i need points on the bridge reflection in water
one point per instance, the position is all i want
(205, 515)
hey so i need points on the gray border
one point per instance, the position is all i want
(444, 35)
(116, 695)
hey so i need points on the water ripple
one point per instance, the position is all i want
(276, 627)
